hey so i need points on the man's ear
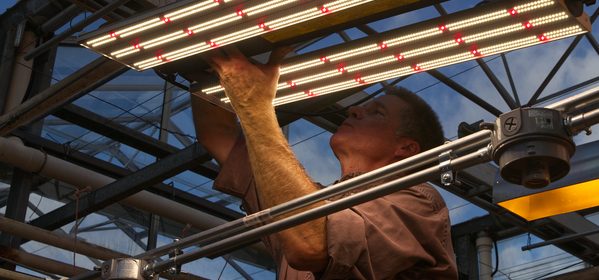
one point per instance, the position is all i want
(406, 147)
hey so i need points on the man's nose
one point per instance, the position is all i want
(356, 112)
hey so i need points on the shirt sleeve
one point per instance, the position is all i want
(236, 178)
(399, 236)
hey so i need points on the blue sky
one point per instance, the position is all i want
(529, 67)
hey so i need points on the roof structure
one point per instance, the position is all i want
(74, 123)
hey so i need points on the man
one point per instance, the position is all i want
(404, 235)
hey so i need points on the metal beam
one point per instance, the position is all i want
(76, 28)
(498, 85)
(533, 100)
(568, 90)
(124, 134)
(122, 188)
(464, 92)
(120, 120)
(16, 207)
(81, 82)
(510, 79)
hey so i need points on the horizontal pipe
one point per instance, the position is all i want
(37, 262)
(474, 141)
(9, 274)
(52, 238)
(431, 173)
(578, 101)
(583, 121)
(559, 240)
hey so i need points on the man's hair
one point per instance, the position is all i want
(418, 120)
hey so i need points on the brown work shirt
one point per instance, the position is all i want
(404, 235)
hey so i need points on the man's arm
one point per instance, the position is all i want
(278, 174)
(216, 128)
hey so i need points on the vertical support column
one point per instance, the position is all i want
(484, 244)
(7, 53)
(162, 136)
(16, 208)
(24, 83)
(466, 257)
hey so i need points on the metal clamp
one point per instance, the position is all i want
(447, 173)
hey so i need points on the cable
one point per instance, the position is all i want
(558, 270)
(496, 258)
(223, 270)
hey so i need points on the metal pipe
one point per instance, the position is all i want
(431, 173)
(77, 27)
(559, 240)
(484, 244)
(583, 121)
(13, 152)
(61, 241)
(473, 141)
(44, 264)
(9, 274)
(21, 75)
(581, 100)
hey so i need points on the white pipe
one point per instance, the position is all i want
(21, 72)
(15, 153)
(483, 246)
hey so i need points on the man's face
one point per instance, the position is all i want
(370, 129)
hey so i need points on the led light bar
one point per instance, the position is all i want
(486, 30)
(198, 26)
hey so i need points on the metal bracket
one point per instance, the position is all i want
(447, 173)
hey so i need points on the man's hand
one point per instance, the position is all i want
(249, 86)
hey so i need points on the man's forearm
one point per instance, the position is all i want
(280, 178)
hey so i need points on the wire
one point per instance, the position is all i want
(223, 270)
(496, 258)
(306, 139)
(558, 270)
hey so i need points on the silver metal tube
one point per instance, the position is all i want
(482, 155)
(578, 101)
(583, 121)
(476, 140)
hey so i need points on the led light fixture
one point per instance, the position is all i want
(485, 30)
(193, 27)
